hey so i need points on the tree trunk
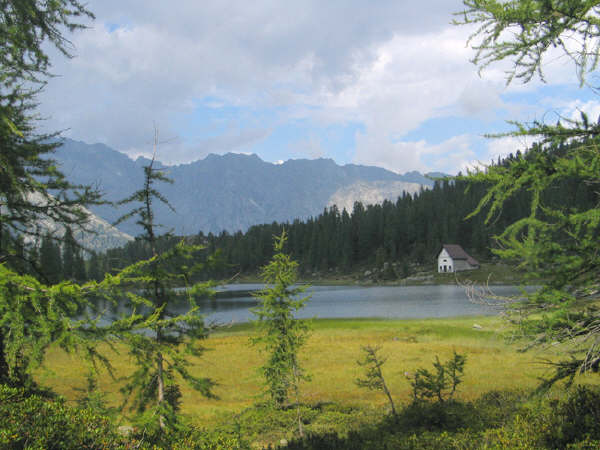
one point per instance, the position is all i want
(3, 362)
(300, 425)
(296, 390)
(160, 387)
(389, 394)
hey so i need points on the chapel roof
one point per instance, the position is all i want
(457, 252)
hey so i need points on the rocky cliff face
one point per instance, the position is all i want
(370, 193)
(233, 191)
(98, 236)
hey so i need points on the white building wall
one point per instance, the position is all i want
(445, 262)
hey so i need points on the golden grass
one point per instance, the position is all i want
(330, 357)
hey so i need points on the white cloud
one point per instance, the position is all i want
(499, 148)
(146, 63)
(574, 109)
(449, 156)
(388, 66)
(411, 78)
(459, 153)
(310, 147)
(415, 79)
(480, 99)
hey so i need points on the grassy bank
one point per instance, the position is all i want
(492, 273)
(330, 356)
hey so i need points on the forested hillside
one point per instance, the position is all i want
(408, 231)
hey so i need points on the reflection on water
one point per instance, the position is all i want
(398, 302)
(240, 287)
(393, 302)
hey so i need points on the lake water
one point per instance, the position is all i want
(391, 302)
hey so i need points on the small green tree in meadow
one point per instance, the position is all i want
(373, 378)
(281, 334)
(441, 383)
(160, 338)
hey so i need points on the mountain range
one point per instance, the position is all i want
(232, 191)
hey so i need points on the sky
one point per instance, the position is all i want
(384, 83)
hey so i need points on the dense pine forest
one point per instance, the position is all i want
(408, 232)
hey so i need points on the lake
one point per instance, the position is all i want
(390, 302)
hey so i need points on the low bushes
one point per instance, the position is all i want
(33, 421)
(496, 420)
(36, 422)
(573, 422)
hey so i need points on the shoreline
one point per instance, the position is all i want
(491, 274)
(345, 282)
(491, 322)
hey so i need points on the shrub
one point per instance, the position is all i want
(577, 418)
(32, 421)
(440, 384)
(497, 408)
(199, 439)
(570, 423)
(448, 416)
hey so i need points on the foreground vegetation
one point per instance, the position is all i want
(497, 381)
(556, 240)
(495, 420)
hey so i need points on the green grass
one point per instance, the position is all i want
(494, 273)
(330, 357)
(331, 400)
(488, 273)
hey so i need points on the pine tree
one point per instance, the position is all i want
(93, 267)
(281, 334)
(36, 316)
(373, 377)
(27, 173)
(556, 241)
(50, 260)
(27, 176)
(158, 337)
(69, 251)
(79, 273)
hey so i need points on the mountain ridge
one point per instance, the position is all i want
(224, 192)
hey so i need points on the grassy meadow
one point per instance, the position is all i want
(488, 272)
(330, 358)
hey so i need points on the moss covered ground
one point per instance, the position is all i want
(494, 407)
(330, 357)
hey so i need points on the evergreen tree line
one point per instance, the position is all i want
(50, 260)
(409, 231)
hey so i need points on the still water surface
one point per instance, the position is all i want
(397, 302)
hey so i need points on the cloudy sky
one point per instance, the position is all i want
(385, 83)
